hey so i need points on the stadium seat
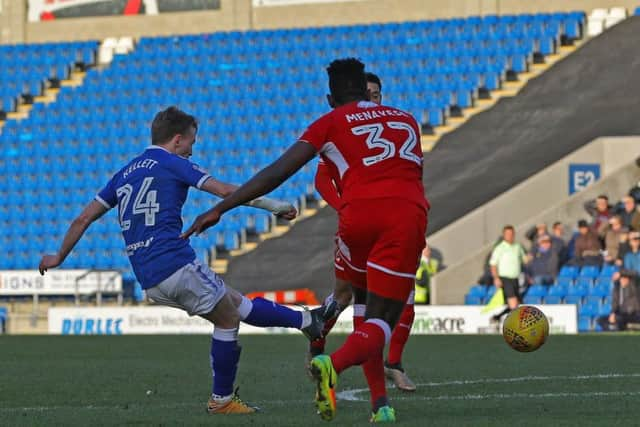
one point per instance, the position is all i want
(558, 290)
(605, 309)
(530, 299)
(564, 281)
(472, 300)
(590, 271)
(602, 288)
(569, 271)
(581, 289)
(584, 324)
(537, 291)
(573, 299)
(553, 299)
(583, 281)
(608, 270)
(590, 309)
(478, 290)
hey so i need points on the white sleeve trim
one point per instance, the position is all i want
(103, 202)
(202, 180)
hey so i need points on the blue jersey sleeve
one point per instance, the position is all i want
(108, 196)
(189, 173)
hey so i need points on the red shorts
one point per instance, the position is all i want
(379, 245)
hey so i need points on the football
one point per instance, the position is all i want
(526, 328)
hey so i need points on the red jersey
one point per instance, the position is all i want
(375, 150)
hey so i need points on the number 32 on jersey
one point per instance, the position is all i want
(375, 140)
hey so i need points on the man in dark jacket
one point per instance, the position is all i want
(625, 307)
(587, 246)
(544, 261)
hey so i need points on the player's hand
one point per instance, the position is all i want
(49, 261)
(612, 318)
(497, 282)
(289, 215)
(202, 222)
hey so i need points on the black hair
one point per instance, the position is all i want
(170, 122)
(347, 80)
(372, 78)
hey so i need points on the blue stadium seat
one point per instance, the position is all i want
(564, 281)
(472, 300)
(637, 11)
(608, 270)
(584, 324)
(553, 299)
(590, 309)
(590, 271)
(558, 290)
(602, 288)
(581, 289)
(537, 291)
(478, 290)
(583, 281)
(569, 271)
(605, 309)
(573, 299)
(530, 299)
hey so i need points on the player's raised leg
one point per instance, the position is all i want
(263, 313)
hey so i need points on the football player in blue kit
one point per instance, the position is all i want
(149, 193)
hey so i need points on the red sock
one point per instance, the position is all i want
(318, 345)
(368, 339)
(400, 335)
(357, 321)
(374, 372)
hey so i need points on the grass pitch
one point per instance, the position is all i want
(463, 380)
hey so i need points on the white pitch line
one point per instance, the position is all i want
(522, 395)
(351, 395)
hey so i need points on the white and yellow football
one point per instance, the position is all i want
(526, 328)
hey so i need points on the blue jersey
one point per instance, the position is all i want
(149, 193)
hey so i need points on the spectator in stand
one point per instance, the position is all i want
(558, 242)
(631, 260)
(534, 233)
(506, 263)
(625, 307)
(426, 269)
(613, 237)
(600, 212)
(629, 214)
(543, 264)
(587, 246)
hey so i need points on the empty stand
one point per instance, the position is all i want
(253, 92)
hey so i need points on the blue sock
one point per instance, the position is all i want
(225, 353)
(263, 313)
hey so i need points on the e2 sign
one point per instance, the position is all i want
(582, 175)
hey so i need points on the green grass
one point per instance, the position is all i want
(104, 381)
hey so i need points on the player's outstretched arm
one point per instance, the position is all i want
(263, 182)
(91, 212)
(326, 188)
(277, 207)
